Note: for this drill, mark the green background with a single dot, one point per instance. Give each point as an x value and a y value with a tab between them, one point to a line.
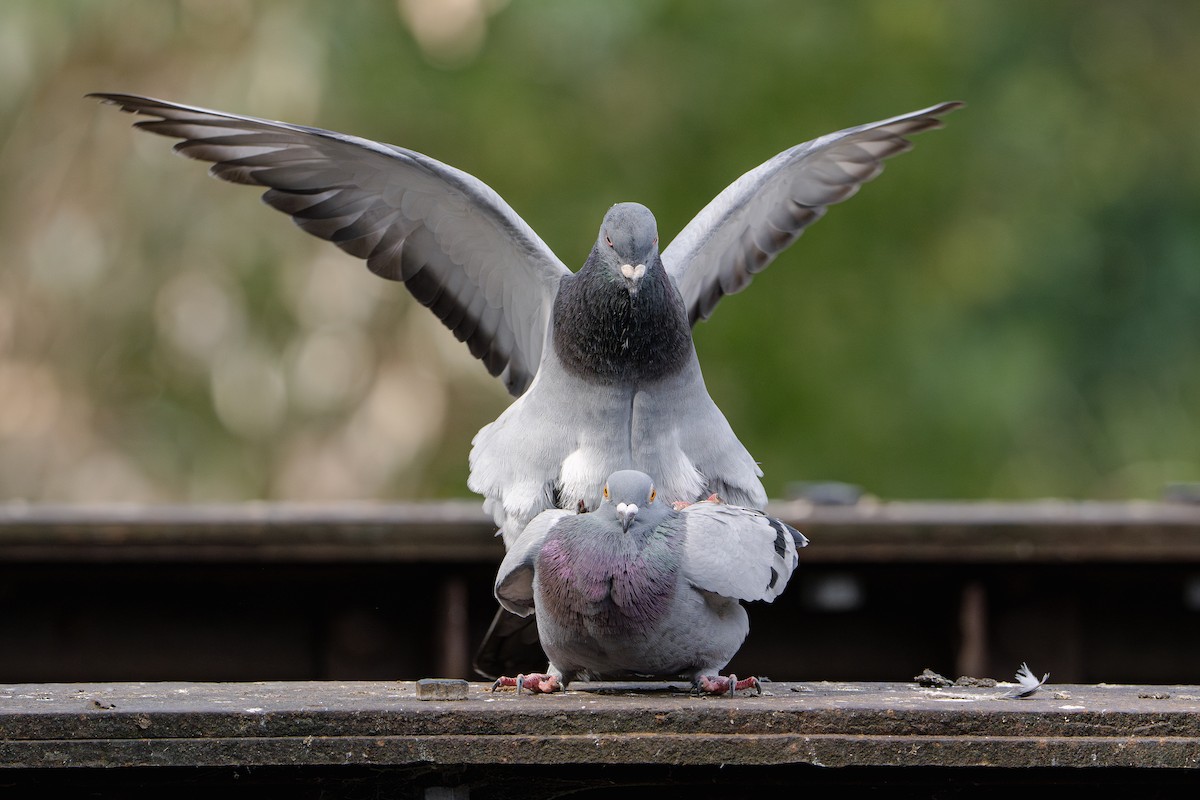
1011	310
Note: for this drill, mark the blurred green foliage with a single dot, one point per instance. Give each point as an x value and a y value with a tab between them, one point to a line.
1011	310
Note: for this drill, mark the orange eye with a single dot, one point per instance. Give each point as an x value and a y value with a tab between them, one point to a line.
605	492
653	494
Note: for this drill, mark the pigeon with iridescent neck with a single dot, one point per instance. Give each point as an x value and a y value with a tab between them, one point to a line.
637	589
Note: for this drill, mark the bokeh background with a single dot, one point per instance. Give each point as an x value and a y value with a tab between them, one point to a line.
1011	310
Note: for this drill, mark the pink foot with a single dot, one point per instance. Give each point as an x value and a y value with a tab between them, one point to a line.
680	505
539	683
721	684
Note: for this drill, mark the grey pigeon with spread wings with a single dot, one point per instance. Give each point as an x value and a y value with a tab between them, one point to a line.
637	589
601	360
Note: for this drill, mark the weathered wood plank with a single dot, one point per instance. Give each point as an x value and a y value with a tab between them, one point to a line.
384	724
869	532
451	531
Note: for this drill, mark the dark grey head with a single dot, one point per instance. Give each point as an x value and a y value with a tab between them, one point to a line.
629	495
628	242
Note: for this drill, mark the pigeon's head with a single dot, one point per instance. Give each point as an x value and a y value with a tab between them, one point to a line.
628	493
628	243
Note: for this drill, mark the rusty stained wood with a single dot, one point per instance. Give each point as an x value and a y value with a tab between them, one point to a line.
458	532
384	724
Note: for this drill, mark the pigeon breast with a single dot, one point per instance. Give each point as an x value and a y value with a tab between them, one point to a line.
605	335
602	581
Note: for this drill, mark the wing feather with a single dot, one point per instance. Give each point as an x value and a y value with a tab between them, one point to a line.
738	552
761	213
450	238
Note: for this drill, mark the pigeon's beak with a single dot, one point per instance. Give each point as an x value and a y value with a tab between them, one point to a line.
633	275
626	512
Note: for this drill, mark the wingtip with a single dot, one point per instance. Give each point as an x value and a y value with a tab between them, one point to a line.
942	109
931	118
132	103
112	98
121	101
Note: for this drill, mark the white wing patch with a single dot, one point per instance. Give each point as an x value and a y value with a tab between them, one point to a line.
737	552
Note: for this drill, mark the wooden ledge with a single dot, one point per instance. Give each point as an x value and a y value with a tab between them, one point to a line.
384	724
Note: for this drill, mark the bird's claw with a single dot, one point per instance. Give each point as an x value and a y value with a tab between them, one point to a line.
680	505
536	683
726	684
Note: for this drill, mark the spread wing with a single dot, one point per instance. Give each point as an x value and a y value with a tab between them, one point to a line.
757	216
737	552
457	246
514	579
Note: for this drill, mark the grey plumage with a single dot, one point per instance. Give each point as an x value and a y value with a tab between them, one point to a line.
638	589
601	361
618	387
760	214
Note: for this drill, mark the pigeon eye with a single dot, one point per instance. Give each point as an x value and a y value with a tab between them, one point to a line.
605	492
608	241
653	494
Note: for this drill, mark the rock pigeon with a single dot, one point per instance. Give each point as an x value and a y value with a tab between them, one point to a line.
601	361
638	589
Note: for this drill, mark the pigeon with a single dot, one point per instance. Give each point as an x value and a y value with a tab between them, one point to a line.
601	361
638	589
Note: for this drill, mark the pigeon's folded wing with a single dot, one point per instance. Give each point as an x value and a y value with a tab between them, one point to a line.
514	579
737	552
458	247
757	216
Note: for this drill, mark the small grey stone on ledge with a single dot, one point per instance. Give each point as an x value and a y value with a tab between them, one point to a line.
442	689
